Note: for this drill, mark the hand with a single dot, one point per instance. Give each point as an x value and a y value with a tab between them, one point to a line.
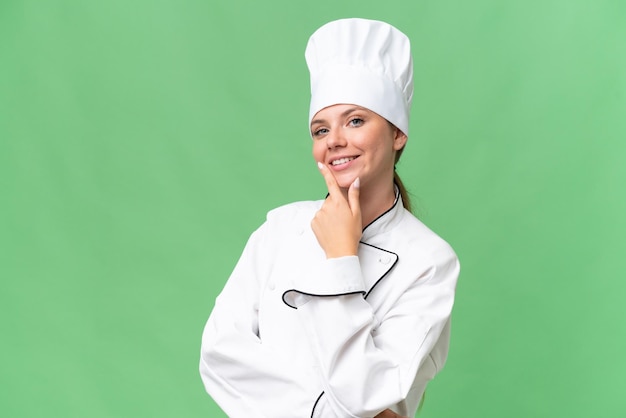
388	413
337	225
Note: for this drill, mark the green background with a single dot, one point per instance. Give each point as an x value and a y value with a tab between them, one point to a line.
142	141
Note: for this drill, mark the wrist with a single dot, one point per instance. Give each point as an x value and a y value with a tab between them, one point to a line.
344	252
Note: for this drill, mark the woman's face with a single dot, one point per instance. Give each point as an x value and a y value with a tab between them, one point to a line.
356	142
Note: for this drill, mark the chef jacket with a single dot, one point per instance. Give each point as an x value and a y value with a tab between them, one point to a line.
294	334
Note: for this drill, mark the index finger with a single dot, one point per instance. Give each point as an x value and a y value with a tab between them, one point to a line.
331	181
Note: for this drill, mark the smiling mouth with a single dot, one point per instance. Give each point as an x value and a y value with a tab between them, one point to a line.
342	161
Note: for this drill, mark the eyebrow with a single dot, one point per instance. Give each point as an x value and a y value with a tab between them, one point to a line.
343	114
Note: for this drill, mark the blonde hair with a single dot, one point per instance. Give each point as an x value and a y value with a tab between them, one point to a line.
406	200
404	194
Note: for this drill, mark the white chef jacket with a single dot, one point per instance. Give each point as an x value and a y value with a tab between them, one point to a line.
294	334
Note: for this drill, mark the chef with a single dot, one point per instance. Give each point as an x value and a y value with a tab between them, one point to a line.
339	307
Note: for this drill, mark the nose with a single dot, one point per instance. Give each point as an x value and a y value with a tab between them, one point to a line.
335	139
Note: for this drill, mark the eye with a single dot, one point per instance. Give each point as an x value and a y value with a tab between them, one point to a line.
355	122
319	132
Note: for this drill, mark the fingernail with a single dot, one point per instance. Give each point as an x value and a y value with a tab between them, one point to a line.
320	165
357	183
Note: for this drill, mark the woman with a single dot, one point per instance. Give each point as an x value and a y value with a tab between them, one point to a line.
340	307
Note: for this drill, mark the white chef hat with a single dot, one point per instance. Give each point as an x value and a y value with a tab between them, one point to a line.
363	62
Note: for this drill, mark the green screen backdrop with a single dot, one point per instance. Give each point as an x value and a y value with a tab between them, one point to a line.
141	142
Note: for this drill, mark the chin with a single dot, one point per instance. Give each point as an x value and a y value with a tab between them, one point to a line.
346	182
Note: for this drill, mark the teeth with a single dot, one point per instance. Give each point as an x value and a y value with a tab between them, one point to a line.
342	161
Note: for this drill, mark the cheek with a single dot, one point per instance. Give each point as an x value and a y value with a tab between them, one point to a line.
373	145
317	151
381	151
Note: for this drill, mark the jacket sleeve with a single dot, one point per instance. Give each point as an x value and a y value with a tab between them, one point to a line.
368	366
236	368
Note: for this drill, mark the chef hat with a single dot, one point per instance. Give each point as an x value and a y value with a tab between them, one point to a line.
363	62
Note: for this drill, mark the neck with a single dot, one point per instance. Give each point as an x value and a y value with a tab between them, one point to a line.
375	202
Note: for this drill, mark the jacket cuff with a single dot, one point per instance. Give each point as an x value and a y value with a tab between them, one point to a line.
338	276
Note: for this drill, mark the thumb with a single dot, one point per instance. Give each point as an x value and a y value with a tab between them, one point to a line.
353	197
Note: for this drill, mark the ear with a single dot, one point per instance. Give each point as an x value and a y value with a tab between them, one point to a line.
399	140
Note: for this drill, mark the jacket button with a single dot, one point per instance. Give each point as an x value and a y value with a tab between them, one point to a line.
385	259
271	285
